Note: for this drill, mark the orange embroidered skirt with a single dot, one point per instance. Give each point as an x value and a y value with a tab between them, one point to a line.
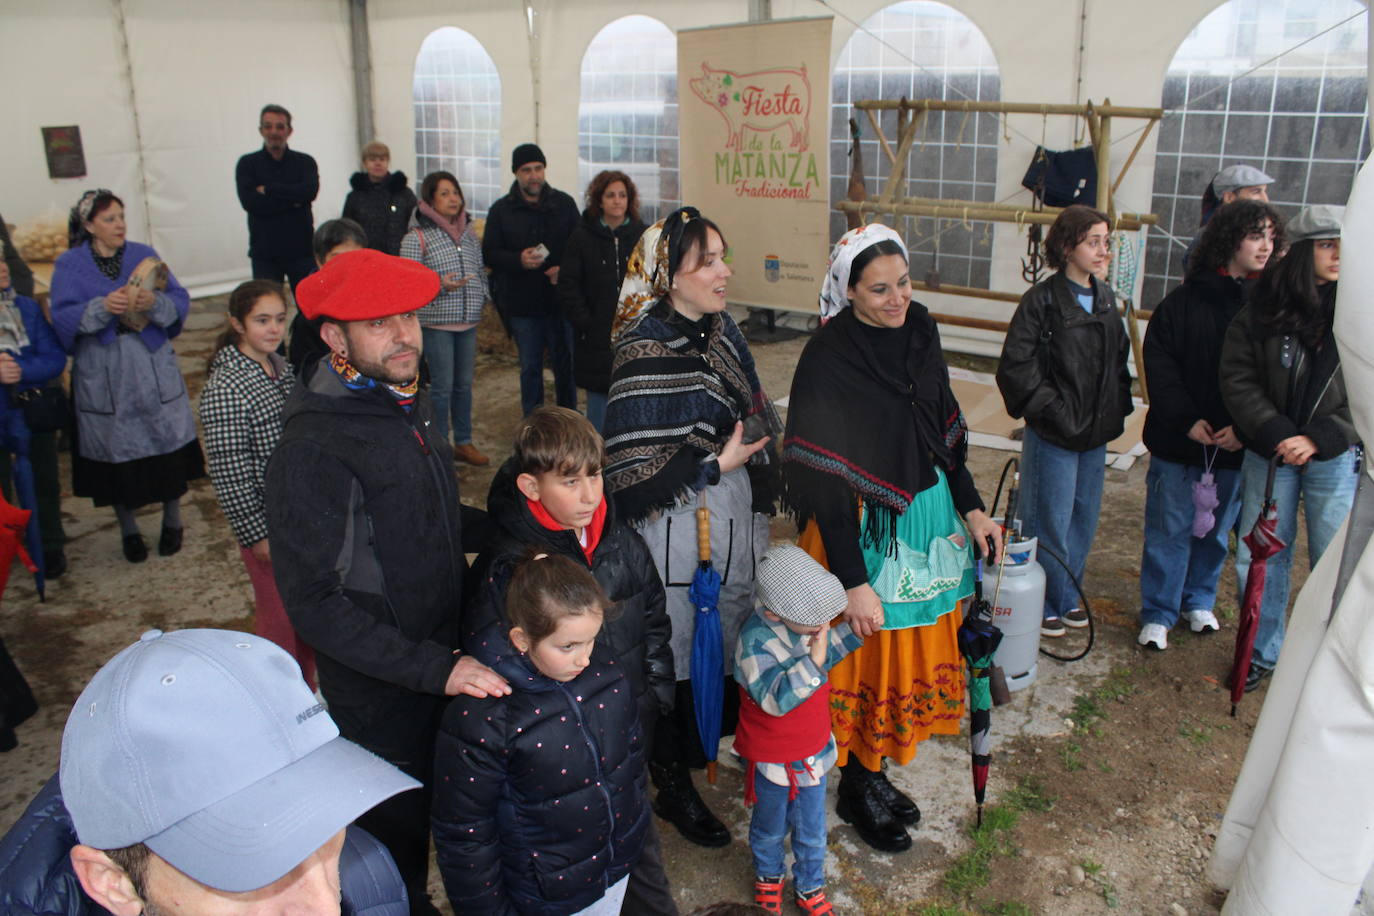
897	689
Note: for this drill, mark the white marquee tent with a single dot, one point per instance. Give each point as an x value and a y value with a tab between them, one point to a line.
166	93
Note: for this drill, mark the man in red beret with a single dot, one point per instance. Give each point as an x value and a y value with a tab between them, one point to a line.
363	518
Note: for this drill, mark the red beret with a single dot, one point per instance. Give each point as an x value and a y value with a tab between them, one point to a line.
365	284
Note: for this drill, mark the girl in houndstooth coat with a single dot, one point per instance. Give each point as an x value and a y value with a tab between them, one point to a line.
240	409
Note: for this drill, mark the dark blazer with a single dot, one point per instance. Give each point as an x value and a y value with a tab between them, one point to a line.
280	223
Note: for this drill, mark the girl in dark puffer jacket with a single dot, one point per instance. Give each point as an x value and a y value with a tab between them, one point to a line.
539	804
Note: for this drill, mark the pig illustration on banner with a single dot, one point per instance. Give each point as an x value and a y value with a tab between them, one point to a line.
762	101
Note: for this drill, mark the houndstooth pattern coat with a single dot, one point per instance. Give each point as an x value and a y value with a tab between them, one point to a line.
240	409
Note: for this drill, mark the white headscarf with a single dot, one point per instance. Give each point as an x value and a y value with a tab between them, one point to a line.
835	290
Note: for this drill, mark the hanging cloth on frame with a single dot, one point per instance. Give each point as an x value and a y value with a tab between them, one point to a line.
1060	178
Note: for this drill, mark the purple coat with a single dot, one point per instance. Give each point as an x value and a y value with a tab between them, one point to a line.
131	399
76	281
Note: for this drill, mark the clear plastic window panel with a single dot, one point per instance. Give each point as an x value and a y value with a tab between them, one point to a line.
457	101
923	50
1277	84
627	117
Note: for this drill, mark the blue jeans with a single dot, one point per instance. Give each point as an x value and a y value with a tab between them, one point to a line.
1061	493
1327	489
532	336
1179	572
596	408
452	356
773	816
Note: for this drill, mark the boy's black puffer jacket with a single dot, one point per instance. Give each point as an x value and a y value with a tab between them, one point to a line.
1063	369
637	629
539	797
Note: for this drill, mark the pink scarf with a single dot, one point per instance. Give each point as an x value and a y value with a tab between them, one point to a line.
454	228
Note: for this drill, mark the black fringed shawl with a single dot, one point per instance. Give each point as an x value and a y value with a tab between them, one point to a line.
850	420
670	406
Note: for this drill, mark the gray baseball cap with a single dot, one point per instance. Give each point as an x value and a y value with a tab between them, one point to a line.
1235	177
795	587
208	747
1319	221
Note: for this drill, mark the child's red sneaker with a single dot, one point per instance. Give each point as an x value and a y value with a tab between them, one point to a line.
815	905
768	894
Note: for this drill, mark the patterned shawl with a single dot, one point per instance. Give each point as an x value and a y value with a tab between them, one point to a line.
669	407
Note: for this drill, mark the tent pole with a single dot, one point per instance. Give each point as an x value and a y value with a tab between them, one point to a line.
128	60
362	70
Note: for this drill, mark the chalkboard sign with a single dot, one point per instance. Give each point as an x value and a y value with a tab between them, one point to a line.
66	158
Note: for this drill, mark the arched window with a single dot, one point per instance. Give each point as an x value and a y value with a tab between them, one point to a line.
1302	119
627	118
457	99
921	49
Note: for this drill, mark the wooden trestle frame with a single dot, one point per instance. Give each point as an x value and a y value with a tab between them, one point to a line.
911	114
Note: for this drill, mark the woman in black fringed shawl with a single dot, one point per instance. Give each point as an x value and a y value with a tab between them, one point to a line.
874	470
682	385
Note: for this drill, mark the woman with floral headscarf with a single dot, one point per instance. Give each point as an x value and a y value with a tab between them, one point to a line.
136	437
875	473
683	392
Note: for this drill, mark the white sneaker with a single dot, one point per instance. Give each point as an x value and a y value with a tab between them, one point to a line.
1202	621
1154	635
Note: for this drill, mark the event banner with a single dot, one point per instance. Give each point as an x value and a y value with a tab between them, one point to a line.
754	121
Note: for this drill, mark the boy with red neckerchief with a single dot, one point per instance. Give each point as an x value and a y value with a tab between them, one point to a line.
549	494
785	650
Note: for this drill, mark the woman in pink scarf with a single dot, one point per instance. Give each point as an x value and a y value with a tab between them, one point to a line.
441	238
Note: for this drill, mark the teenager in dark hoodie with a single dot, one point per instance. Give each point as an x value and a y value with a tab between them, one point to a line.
549	495
1188	430
380	202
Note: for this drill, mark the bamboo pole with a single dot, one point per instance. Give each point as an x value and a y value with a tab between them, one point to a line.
984	213
898	171
1121	175
1015	210
1108	110
878	132
1103	141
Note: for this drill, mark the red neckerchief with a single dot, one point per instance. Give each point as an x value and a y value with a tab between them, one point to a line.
542	516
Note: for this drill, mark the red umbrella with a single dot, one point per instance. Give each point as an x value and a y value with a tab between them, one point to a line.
1263	541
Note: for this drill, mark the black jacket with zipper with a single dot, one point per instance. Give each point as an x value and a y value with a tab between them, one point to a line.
1276	388
589	288
514	224
637	629
363	519
1064	369
1182	355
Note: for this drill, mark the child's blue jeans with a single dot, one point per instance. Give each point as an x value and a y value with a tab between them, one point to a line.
773	816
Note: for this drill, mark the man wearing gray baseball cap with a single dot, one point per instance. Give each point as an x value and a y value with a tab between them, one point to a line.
202	775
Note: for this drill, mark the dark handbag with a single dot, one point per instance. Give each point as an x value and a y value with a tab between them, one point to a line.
1063	177
45	409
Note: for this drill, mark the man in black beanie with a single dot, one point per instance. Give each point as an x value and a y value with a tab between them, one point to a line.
523	245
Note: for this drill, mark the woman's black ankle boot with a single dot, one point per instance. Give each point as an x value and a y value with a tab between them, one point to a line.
679	804
861	804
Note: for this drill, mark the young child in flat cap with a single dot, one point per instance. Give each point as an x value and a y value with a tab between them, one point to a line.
785	650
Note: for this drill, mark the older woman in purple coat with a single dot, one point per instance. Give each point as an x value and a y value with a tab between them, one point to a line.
136	436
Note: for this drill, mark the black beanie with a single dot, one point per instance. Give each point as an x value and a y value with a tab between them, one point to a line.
526	152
